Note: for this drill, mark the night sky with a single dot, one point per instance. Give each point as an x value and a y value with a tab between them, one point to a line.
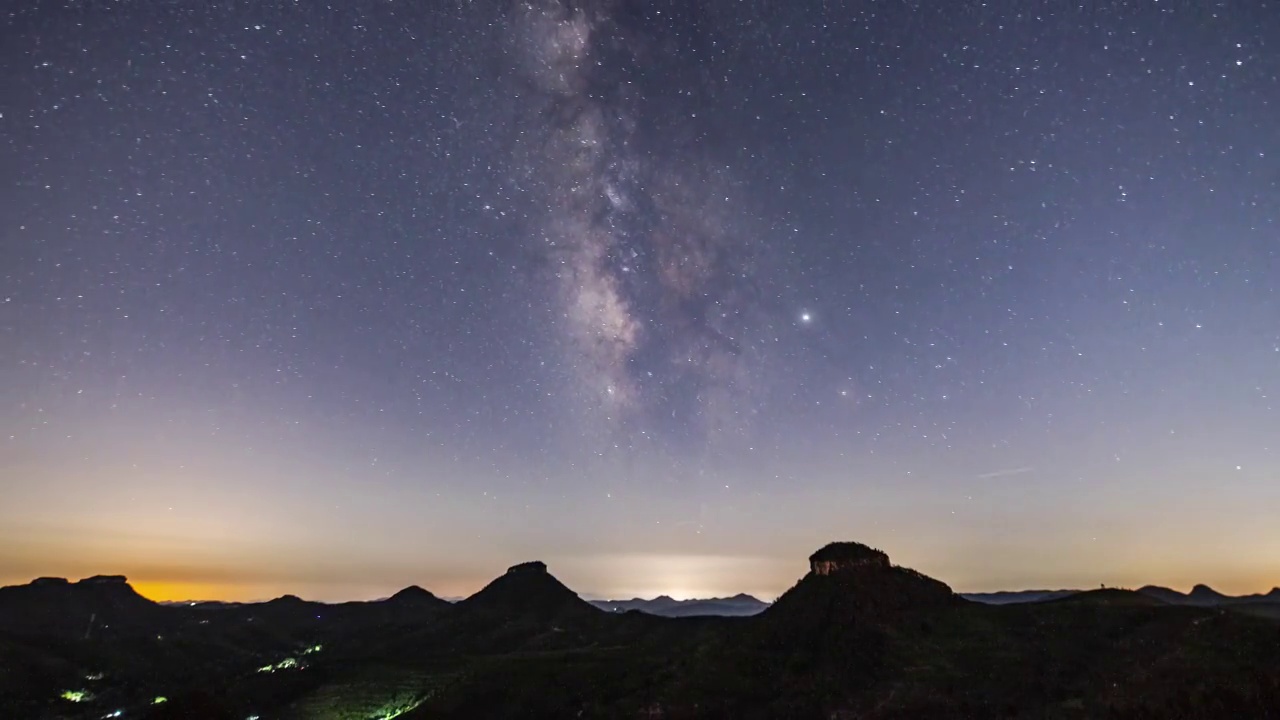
331	301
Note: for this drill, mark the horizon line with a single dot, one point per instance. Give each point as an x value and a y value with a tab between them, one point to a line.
592	597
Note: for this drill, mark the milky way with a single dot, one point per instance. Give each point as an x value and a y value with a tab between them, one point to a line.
649	256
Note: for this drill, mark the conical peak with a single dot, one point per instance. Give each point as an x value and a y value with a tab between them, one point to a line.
413	592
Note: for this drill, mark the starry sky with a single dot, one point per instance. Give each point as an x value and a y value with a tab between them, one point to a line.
333	300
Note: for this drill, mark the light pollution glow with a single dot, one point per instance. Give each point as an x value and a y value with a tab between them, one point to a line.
208	547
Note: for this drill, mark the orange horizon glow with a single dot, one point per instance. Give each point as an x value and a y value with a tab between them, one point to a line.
162	591
180	590
216	549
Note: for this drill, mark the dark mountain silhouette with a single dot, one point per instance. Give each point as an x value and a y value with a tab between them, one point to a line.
839	621
1205	596
849	579
1168	595
1009	597
850	595
855	637
664	601
1107	596
528	590
414	595
737	606
286	608
88	608
1200	595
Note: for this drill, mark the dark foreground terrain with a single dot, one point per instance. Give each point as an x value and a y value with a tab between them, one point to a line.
855	638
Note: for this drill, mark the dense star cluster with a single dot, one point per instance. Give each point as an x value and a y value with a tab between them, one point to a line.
671	291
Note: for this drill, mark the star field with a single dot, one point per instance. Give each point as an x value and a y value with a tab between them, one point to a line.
334	300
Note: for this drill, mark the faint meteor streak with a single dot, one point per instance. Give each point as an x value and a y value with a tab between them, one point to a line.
1010	472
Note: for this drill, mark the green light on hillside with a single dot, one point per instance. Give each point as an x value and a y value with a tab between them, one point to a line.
313	649
284	664
391	713
160	699
76	696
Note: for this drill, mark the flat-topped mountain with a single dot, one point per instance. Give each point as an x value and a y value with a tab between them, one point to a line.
84	609
837	556
852	578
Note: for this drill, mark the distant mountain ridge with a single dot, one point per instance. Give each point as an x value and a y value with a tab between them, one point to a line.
1011	597
835	645
740	605
118	599
1205	596
1200	596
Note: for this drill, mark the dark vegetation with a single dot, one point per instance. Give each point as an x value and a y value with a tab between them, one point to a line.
855	638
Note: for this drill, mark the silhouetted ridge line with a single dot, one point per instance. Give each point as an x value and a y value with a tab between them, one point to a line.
527	589
851	582
415	594
84	609
739	605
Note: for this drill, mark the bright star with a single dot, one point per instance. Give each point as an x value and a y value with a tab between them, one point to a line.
805	317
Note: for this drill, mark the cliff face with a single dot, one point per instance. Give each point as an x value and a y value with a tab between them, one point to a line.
839	556
850	583
535	567
827	567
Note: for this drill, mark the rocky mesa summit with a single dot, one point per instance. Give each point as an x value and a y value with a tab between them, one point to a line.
849	580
